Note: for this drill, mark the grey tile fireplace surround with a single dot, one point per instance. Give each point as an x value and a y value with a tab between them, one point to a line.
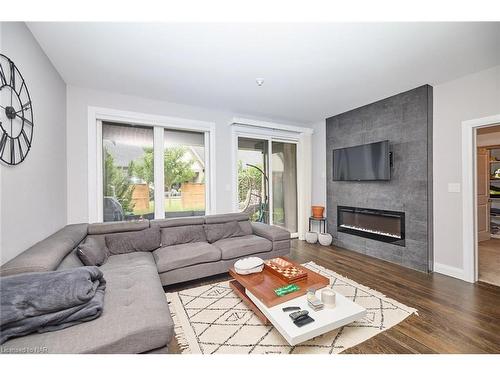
406	121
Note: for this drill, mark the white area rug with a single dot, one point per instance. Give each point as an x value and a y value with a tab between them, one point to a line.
211	319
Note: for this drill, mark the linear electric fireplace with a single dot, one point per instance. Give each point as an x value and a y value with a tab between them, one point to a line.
380	225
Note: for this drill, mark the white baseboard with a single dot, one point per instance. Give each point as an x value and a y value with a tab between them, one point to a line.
444	269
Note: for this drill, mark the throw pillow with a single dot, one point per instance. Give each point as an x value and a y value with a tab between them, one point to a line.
185	234
246	227
129	242
215	232
91	253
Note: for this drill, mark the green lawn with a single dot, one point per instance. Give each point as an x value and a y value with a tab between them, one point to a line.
171	205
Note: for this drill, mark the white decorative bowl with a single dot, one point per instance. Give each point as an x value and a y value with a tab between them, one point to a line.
249	265
325	239
311	237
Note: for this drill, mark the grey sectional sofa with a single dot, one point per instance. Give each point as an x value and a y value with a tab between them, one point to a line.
136	317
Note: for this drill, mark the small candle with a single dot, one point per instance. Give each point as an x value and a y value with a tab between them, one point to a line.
328	297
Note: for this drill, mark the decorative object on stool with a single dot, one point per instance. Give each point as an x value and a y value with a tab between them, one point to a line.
325	239
249	265
311	237
317	211
328	298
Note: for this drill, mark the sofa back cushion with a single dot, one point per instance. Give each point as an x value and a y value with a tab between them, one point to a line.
246	227
216	232
185	234
128	242
225	218
47	254
178	221
92	253
117	227
241	217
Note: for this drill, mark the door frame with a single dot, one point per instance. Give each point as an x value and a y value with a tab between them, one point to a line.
96	115
469	196
278	133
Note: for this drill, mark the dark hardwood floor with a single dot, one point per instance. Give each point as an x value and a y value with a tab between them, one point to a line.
453	316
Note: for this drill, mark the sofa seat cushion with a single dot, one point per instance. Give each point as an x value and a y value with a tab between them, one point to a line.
135	319
238	247
177	256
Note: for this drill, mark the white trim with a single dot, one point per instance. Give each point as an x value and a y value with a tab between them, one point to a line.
270	180
444	269
98	114
94	136
271	125
159	174
138	118
210	176
304	189
469	198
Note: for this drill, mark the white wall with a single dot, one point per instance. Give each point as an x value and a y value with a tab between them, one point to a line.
470	97
33	193
319	164
78	101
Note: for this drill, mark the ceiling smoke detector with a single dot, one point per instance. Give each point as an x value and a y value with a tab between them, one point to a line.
260	81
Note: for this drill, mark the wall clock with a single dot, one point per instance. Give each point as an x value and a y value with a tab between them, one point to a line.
16	114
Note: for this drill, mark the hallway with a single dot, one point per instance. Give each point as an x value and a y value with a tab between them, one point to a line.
489	261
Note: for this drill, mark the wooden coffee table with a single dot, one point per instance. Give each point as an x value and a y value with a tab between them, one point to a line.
263	284
257	291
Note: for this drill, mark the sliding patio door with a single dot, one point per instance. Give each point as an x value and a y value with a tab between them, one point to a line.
267	180
253	178
284	185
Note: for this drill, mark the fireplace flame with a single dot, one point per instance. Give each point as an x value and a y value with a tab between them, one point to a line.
370	231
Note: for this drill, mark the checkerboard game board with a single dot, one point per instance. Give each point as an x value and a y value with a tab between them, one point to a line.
285	270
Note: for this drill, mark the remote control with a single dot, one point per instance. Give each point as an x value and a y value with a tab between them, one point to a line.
296	315
291	308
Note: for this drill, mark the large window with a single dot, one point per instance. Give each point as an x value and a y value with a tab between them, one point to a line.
131	181
184	175
128	184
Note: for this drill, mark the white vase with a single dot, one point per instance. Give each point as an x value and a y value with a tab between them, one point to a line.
325	239
311	237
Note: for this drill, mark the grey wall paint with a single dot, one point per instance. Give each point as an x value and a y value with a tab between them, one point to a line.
406	121
33	193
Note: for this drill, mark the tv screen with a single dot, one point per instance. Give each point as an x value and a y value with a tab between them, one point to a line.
362	163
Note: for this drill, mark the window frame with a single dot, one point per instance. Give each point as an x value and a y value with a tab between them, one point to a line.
159	123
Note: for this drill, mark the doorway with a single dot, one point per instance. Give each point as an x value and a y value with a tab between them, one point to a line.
267	180
488	204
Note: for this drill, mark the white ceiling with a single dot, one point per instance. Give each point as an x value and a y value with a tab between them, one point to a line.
311	71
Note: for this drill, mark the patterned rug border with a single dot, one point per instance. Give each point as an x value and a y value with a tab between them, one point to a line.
374	292
183	336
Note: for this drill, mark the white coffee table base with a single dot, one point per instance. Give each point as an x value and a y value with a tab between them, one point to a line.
325	320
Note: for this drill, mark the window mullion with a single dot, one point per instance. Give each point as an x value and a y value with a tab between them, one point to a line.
159	180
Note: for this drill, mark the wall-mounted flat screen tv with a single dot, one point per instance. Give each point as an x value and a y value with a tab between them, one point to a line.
369	162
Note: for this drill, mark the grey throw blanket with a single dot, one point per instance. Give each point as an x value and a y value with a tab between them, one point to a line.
49	301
